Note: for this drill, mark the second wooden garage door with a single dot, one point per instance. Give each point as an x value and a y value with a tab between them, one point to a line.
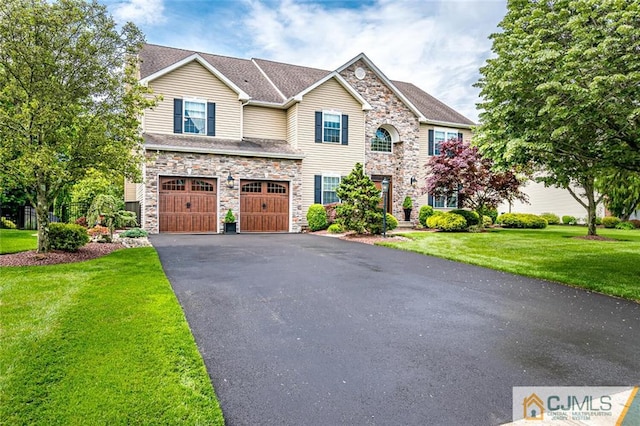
264	206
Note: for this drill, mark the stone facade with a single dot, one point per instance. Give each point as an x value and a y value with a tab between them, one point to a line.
388	110
166	163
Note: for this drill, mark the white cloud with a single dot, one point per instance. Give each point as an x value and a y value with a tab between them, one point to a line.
141	12
439	46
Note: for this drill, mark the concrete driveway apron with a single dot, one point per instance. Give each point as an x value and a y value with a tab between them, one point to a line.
306	330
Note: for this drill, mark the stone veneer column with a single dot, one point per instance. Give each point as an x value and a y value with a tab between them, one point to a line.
404	162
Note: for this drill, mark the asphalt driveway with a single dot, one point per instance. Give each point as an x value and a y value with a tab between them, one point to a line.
309	330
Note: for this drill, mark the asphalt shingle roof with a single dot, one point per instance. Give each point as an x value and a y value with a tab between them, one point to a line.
289	79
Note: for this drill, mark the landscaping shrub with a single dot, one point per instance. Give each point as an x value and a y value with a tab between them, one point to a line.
569	220
552	218
487	221
6	223
82	221
317	217
407	203
431	220
521	220
331	212
392	223
335	228
67	236
134	233
99	233
492	213
627	226
470	216
598	220
610	222
425	213
449	222
636	223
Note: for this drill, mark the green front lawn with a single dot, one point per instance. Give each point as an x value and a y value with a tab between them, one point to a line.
15	240
611	267
99	342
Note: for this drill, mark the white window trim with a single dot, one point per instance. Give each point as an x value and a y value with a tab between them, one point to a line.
331	175
184	115
339	114
445	130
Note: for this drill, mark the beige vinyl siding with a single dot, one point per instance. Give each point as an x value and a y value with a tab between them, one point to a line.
194	81
129	191
264	123
292	125
325	158
424	153
549	200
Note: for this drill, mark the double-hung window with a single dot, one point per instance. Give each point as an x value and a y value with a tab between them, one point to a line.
195	117
442	202
331	127
441	136
329	186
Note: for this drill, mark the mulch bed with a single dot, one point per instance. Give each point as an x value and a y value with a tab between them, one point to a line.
31	258
362	238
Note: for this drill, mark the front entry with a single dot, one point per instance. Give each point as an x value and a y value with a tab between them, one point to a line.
377	180
187	205
264	206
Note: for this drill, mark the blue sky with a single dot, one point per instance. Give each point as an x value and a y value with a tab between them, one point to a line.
437	45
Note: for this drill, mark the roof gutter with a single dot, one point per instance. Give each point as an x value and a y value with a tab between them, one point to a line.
200	150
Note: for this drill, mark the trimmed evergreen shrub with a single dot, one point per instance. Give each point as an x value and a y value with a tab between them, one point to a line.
552	218
6	223
598	220
359	209
317	217
392	222
425	213
470	216
67	236
610	222
487	221
449	222
335	228
569	220
627	226
521	220
134	233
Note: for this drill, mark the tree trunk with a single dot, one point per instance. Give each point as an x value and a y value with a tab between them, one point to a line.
42	214
589	189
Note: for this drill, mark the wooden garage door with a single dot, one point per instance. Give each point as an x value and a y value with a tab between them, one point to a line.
188	205
264	206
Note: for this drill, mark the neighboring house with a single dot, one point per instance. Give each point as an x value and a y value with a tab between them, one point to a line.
550	200
268	139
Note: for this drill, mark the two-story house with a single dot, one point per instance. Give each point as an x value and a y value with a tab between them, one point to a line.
267	139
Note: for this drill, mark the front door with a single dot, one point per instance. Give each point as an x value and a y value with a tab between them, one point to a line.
377	180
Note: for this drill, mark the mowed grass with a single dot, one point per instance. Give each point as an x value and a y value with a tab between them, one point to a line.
15	240
99	342
610	267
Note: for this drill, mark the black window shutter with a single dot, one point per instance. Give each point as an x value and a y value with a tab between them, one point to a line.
460	136
317	189
430	199
211	119
345	129
318	126
431	138
177	115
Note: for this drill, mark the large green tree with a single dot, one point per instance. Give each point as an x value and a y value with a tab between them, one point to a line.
561	94
621	189
69	98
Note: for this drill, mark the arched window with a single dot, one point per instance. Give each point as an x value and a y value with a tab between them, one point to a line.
382	141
